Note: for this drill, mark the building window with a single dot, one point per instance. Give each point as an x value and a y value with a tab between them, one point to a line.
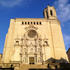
51	12
28	23
22	23
31	22
37	23
34	23
40	23
47	14
25	23
32	33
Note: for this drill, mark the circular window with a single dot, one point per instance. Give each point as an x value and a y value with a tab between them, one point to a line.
32	33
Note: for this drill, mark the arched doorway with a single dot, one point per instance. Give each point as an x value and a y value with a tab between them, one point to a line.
31	60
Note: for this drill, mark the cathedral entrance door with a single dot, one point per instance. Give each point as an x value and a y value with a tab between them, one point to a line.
31	60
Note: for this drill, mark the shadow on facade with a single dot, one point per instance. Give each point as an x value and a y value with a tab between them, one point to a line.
53	64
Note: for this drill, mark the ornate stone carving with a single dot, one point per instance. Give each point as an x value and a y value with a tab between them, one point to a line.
31	27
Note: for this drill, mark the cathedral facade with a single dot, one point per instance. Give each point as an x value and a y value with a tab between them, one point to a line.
34	40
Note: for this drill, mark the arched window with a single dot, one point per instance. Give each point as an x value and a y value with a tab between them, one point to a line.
47	14
37	23
22	23
51	12
34	23
31	22
40	23
28	23
25	23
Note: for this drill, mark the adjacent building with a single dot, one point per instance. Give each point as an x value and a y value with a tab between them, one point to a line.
68	53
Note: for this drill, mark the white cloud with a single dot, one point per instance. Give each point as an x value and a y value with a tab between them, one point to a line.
63	13
10	3
63	10
67	41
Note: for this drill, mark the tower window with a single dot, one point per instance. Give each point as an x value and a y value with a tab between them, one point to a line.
51	12
47	14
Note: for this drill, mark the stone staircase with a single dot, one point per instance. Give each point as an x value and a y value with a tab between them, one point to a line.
27	67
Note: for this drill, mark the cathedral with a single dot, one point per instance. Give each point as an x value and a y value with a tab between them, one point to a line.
34	40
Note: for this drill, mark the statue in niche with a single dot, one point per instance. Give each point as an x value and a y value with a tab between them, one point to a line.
45	42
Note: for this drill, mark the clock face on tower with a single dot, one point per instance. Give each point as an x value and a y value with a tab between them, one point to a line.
32	33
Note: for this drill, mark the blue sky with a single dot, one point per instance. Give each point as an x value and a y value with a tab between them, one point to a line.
33	9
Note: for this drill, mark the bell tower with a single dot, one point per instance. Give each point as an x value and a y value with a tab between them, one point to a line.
56	33
50	13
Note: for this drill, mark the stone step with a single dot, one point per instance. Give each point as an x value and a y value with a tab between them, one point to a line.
27	67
